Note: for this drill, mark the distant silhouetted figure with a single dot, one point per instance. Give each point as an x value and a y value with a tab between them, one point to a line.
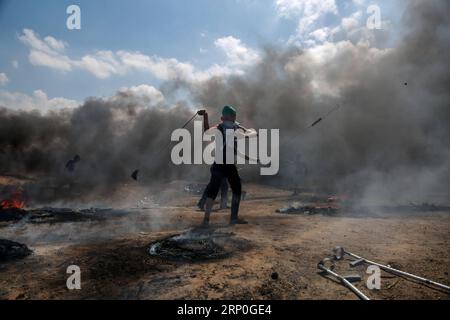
71	164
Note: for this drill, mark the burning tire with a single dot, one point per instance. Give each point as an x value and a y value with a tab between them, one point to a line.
187	248
197	246
10	250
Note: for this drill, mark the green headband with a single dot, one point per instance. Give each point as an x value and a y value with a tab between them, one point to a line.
228	111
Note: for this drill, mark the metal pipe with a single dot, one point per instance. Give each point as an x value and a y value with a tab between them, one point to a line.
344	281
399	272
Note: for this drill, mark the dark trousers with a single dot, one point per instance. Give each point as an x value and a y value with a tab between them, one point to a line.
219	172
223	194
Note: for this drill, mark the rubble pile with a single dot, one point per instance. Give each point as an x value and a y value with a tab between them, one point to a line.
51	215
329	207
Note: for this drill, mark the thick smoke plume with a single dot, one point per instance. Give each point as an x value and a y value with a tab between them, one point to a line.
113	137
394	126
389	139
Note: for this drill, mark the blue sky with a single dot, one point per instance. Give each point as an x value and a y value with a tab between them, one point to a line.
128	43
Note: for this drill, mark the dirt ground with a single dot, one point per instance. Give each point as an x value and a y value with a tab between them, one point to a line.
115	263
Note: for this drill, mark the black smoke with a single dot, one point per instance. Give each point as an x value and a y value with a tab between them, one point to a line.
390	137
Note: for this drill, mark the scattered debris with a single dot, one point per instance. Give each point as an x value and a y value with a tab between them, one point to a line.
146	202
52	215
328	265
135	174
333	205
408	208
195	188
393	284
10	250
316	122
356	263
353	278
62	215
12	214
343	199
429	207
309	209
340	252
323	265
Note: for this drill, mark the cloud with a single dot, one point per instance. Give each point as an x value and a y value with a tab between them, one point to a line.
359	2
145	93
3	79
309	13
15	64
102	64
162	68
320	36
37	101
354	29
48	45
352	21
306	8
49	52
327	78
140	95
57	62
238	54
314	26
54	44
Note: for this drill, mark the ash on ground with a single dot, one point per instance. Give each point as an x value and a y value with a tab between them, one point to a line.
198	245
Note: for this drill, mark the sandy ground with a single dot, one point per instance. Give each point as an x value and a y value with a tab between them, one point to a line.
115	264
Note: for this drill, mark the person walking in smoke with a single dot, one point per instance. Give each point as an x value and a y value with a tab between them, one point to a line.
219	172
71	164
69	177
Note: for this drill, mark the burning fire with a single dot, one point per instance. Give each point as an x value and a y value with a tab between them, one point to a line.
14	202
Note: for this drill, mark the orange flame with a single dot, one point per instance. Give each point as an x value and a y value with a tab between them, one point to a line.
14	202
